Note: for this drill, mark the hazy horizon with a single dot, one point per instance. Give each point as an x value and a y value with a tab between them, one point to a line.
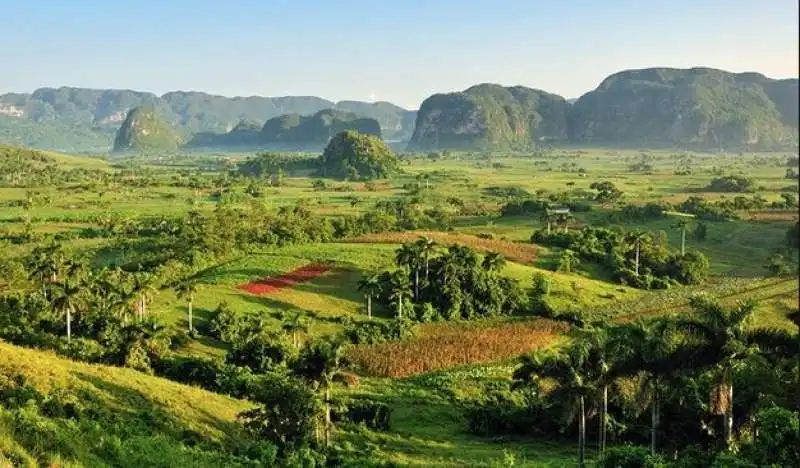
355	50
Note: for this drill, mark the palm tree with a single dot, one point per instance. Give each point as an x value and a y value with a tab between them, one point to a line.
493	261
598	346
295	324
649	349
323	363
370	287
409	255
401	289
426	246
572	372
723	341
68	294
187	290
144	290
563	219
683	225
548	218
636	238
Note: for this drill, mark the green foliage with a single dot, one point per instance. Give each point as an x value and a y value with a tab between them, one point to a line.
777	442
731	183
356	156
630	456
287	413
607	192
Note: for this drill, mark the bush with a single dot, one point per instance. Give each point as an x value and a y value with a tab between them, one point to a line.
375	415
287	414
630	456
262	352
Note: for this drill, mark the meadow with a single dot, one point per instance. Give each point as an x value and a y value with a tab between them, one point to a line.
428	373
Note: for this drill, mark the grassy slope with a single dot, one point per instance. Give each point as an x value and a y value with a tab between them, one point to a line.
143	413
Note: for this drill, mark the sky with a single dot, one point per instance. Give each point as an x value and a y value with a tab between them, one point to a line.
390	50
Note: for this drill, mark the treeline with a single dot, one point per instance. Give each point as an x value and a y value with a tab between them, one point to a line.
636	258
659	393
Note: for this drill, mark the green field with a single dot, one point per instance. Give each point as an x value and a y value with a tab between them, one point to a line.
427	428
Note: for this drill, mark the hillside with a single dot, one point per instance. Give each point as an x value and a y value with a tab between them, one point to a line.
490	117
83	119
316	130
699	107
107	416
145	130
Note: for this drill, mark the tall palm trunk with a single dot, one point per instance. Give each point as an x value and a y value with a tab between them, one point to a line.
582	435
654	409
191	327
683	242
427	267
727	418
637	258
416	284
369	306
399	307
327	416
69	323
548	227
604	420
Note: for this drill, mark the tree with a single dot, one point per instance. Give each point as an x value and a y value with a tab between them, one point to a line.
427	247
401	289
68	294
187	290
607	192
322	363
568	261
636	238
562	219
548	217
683	225
598	348
493	261
287	413
356	155
571	371
293	325
650	349
370	287
409	255
143	290
723	342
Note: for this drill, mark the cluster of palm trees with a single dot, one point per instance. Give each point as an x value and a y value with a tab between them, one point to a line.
71	287
559	219
417	270
655	354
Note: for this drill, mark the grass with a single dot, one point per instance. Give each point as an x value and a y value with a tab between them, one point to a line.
427	429
132	419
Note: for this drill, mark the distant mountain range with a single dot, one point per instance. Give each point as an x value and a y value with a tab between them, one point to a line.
86	119
655	107
665	107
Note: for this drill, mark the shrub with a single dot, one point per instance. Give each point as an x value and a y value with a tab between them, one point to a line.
373	414
630	456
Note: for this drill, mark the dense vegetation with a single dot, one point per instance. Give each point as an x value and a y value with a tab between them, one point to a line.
357	156
378	319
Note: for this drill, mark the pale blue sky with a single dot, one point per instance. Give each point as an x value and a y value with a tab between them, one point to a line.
400	51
